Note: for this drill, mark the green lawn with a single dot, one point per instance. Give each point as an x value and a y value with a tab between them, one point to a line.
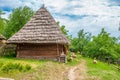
40	69
44	70
8	66
102	70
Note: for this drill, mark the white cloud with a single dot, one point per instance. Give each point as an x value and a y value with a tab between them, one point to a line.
92	24
100	13
6	15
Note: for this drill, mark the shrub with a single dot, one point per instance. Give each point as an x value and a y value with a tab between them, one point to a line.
9	67
27	67
1	64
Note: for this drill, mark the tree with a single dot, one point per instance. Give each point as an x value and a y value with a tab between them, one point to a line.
83	39
64	31
103	46
80	43
17	20
1	13
2	22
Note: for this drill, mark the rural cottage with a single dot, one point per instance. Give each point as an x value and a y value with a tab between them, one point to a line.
40	38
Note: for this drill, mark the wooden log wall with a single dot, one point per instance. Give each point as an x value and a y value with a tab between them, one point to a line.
41	51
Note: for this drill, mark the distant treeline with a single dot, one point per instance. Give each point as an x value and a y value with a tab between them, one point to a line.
102	46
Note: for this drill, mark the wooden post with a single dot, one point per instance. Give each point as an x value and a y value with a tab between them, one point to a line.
65	48
17	50
57	49
58	53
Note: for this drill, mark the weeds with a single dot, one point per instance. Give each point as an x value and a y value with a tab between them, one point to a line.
10	67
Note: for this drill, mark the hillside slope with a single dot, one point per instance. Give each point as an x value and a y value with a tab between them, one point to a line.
80	69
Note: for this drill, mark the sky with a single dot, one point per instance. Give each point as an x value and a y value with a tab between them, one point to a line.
90	15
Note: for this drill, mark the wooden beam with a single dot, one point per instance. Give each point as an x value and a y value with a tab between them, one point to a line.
66	48
58	59
58	50
17	50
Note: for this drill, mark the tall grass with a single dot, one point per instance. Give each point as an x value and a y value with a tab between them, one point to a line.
102	70
19	69
11	67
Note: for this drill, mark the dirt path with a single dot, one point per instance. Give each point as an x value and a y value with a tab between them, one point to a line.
6	78
71	73
78	72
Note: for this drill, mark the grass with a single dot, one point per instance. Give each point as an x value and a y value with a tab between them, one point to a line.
75	61
99	71
40	69
50	70
102	70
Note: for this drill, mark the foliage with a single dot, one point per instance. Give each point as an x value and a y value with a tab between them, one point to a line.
27	67
9	67
38	70
1	13
79	44
2	22
64	31
1	64
1	25
17	20
44	70
103	46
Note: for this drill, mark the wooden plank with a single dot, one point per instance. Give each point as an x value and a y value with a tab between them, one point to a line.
38	48
49	50
55	58
39	53
57	49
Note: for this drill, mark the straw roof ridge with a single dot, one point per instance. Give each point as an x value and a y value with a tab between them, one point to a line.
42	28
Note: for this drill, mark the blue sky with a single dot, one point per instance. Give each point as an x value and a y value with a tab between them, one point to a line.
90	15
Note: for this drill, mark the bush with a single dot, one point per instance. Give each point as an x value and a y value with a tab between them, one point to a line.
27	67
1	64
9	67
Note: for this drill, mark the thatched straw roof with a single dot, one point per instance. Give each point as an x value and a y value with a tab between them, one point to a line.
42	28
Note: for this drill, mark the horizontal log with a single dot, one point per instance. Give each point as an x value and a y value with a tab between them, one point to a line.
55	58
34	49
38	54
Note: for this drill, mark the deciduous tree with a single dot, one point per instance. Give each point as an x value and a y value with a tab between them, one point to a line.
17	20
